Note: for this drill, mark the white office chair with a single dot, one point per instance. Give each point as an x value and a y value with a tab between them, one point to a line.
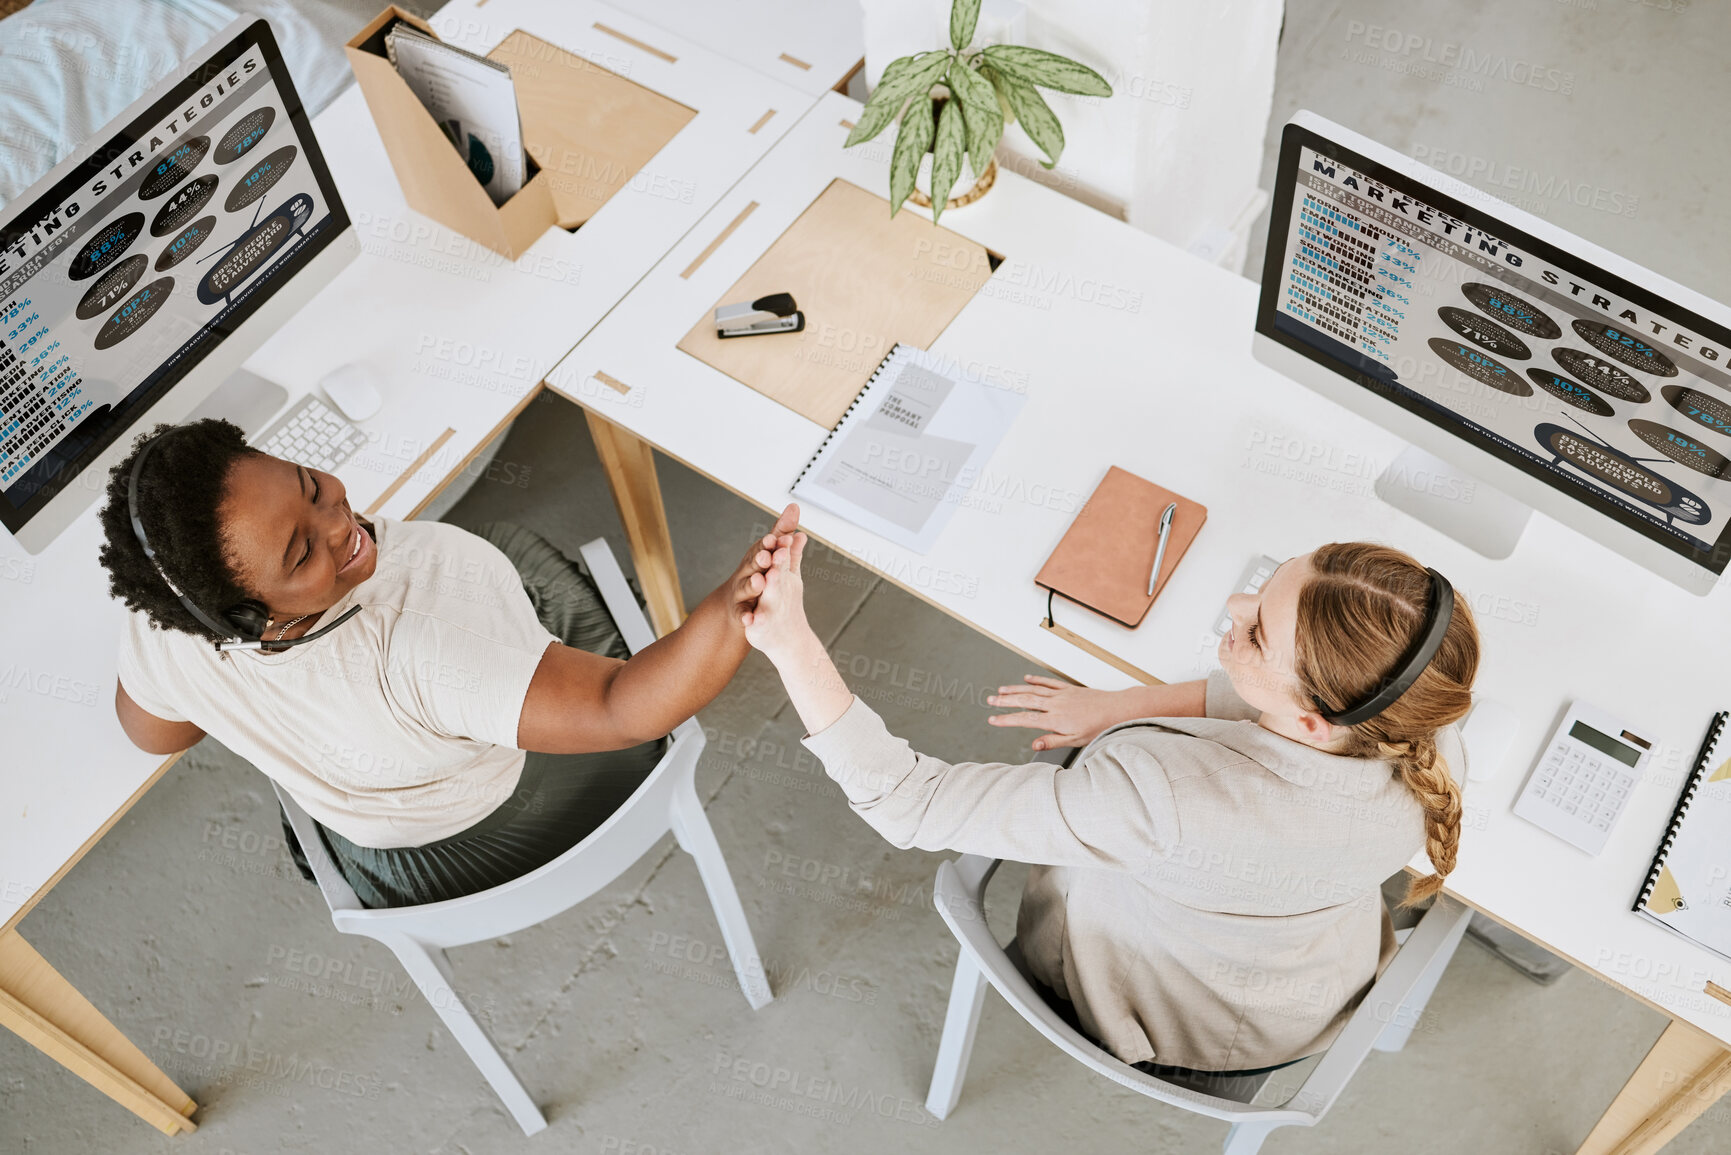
1383	1021
665	801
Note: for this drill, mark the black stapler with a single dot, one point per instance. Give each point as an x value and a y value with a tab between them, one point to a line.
776	313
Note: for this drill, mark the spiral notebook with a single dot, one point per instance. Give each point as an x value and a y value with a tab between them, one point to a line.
910	449
1688	887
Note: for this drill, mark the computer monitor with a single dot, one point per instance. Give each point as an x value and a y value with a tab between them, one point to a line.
1567	378
138	274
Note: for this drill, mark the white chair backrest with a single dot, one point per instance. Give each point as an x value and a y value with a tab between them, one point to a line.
960	897
961	903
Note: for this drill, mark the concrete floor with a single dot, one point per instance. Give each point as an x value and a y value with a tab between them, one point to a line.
188	927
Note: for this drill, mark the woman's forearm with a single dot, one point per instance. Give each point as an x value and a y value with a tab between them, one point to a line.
1165	700
668	682
813	684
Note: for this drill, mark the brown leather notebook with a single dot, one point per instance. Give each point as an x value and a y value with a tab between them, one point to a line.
1104	559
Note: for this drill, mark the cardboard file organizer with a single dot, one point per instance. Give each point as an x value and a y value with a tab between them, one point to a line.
864	280
587	131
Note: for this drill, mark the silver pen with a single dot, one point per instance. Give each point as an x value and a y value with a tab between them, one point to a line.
1160	553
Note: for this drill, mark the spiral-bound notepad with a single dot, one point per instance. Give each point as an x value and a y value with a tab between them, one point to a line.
911	447
1688	887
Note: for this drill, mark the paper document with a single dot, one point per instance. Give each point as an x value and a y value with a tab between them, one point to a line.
472	99
909	449
1688	887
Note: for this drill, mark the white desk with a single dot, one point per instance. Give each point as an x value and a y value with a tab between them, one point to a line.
460	338
812	45
1136	354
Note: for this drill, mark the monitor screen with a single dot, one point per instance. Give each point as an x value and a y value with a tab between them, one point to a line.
1602	389
119	273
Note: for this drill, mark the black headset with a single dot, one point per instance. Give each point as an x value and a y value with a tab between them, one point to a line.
1412	663
246	620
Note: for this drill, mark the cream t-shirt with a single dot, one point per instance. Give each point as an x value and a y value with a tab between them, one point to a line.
400	726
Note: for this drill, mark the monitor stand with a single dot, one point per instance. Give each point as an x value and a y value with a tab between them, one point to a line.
1456	503
246	399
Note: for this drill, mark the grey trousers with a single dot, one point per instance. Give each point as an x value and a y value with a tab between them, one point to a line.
559	799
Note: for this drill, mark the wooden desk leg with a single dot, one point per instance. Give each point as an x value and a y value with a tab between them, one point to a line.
45	1010
1684	1074
630	465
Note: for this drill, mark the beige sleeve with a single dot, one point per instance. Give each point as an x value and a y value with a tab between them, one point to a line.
1115	810
146	668
1221	700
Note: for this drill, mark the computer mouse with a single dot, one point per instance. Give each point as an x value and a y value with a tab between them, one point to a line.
1488	734
354	389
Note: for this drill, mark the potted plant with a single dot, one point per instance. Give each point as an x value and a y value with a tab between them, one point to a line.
953	105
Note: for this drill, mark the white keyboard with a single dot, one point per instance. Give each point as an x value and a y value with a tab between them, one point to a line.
1249	582
312	434
1585	777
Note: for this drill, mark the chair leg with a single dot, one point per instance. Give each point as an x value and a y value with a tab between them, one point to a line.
961	1023
431	972
691	828
1406	1016
1246	1138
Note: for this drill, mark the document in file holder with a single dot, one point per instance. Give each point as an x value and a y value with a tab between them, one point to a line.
472	99
908	449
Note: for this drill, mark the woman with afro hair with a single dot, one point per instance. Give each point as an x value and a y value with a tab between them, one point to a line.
478	716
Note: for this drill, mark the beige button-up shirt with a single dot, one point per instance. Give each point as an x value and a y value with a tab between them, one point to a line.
1206	892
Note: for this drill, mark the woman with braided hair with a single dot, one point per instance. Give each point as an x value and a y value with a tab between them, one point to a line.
1363	603
1205	891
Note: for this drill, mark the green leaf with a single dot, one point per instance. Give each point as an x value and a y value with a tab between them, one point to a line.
964	14
952	142
980	111
912	143
1047	69
1035	116
876	116
901	79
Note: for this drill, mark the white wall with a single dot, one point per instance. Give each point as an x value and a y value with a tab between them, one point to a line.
1177	149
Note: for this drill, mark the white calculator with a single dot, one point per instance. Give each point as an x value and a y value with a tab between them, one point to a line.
1585	777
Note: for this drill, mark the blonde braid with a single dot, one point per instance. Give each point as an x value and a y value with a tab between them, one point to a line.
1426	773
1356	615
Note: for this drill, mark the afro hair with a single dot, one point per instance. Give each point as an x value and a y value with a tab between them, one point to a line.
179	492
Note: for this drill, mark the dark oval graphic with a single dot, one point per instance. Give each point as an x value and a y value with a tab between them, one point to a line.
480	161
1682	448
105	247
1602	375
1577	395
1622	473
184	245
1487	334
113	285
139	308
248	255
1518	314
178	210
1479	367
1629	348
1699	407
260	178
247	131
173	168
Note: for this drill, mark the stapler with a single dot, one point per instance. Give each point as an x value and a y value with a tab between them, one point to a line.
776	313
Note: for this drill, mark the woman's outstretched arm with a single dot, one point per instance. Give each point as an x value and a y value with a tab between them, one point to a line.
1115	810
1075	715
579	702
